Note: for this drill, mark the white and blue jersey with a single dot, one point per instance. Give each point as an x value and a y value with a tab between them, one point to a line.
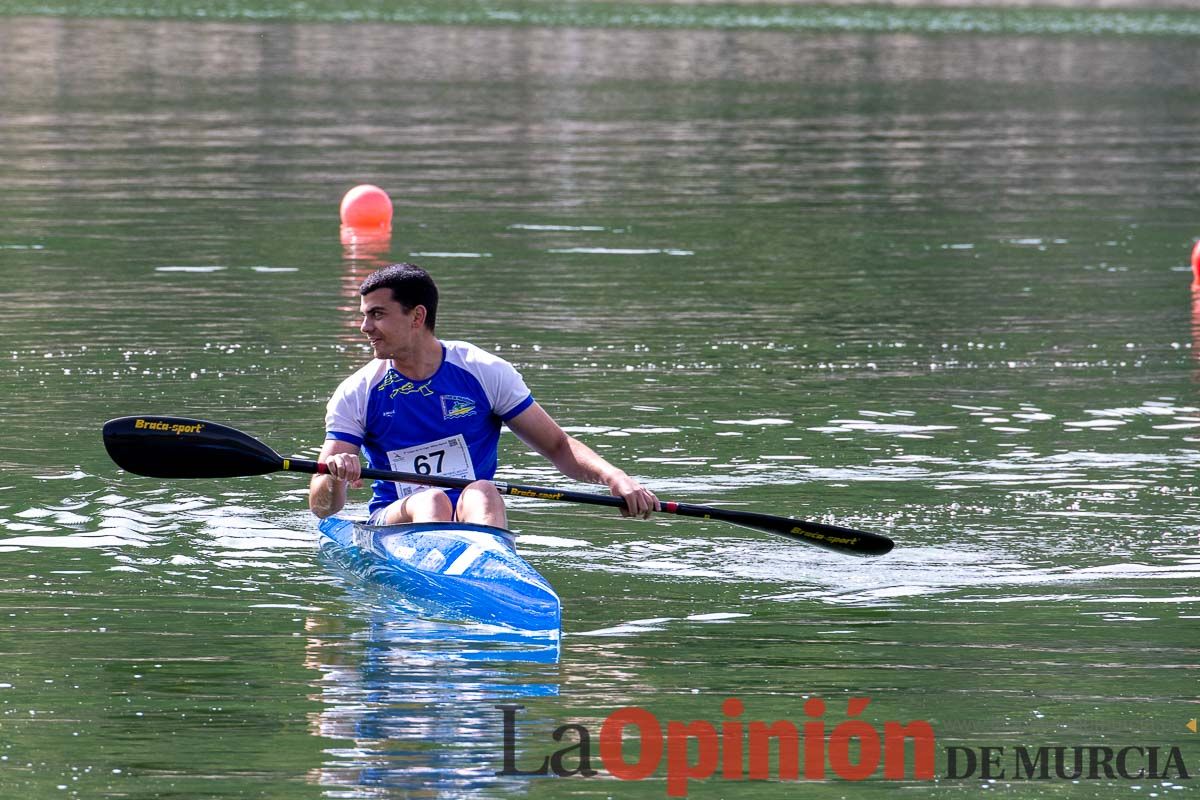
448	424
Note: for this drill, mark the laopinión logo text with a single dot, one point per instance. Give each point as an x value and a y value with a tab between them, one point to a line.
633	745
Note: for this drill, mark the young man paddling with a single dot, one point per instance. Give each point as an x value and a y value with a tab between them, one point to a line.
428	406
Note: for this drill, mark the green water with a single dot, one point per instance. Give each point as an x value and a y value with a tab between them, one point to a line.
932	286
881	18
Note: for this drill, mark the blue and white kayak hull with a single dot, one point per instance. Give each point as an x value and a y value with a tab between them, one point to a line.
466	571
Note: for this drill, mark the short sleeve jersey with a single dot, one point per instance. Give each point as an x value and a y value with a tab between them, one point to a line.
448	424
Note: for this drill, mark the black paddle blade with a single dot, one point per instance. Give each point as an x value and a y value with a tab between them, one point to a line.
178	447
830	537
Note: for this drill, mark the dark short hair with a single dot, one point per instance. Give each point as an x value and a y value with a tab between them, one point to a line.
411	287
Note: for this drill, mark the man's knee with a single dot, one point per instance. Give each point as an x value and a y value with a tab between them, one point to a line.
482	503
428	505
482	490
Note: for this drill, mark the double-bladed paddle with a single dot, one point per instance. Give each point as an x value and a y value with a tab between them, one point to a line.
177	447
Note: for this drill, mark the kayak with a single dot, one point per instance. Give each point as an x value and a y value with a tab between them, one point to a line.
455	569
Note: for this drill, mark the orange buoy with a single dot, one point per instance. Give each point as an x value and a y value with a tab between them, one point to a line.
1196	265
367	206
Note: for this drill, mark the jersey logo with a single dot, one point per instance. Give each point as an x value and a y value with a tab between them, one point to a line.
454	407
411	388
406	386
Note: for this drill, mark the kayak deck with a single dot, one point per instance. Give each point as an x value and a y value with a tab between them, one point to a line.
456	569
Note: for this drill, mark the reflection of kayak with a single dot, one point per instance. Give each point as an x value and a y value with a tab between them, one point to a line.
456	569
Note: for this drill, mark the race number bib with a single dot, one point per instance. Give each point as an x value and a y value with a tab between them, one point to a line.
449	458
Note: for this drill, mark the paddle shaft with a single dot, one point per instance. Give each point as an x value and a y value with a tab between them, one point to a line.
831	537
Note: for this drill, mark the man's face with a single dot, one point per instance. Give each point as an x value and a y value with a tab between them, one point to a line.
390	330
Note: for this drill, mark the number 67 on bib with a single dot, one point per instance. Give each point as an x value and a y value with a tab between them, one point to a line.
447	457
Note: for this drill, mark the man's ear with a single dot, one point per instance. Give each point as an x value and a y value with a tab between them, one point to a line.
419	314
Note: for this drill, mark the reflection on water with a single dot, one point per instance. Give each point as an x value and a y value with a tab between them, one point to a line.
540	136
1196	326
363	252
410	702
